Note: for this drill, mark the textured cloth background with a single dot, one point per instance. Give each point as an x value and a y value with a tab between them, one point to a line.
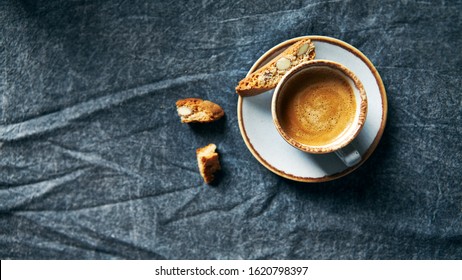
95	164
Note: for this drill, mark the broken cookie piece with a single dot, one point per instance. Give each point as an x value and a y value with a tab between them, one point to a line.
207	159
198	110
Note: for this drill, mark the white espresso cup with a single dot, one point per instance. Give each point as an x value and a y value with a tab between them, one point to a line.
319	107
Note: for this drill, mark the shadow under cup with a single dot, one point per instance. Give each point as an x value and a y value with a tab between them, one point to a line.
320	107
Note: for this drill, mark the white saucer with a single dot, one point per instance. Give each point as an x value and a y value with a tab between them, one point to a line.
269	148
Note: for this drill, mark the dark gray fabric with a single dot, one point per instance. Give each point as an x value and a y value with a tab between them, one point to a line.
95	164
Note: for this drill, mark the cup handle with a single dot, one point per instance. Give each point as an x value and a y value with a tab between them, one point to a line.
349	155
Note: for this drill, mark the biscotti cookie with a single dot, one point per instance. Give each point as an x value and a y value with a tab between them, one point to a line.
268	76
198	110
207	159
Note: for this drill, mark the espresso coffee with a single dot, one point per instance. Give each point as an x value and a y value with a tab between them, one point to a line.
317	107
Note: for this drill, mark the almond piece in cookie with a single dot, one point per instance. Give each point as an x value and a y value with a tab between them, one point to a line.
207	159
198	110
268	76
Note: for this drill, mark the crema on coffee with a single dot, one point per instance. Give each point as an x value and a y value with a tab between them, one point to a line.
317	107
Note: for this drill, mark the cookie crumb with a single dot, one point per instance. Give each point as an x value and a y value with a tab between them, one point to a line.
197	110
208	161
